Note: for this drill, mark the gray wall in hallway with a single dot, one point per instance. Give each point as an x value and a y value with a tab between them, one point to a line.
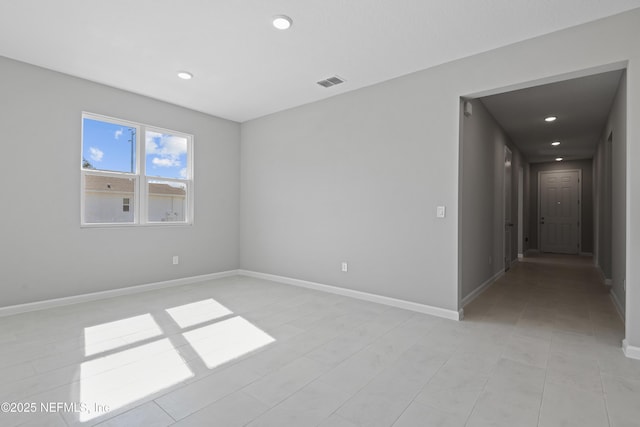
610	164
481	198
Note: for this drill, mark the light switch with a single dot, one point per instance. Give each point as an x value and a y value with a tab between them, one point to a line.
440	212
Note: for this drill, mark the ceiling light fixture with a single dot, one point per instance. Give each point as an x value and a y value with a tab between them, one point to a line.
185	75
550	119
559	159
555	143
282	22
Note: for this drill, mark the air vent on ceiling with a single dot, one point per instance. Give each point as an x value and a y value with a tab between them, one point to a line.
331	81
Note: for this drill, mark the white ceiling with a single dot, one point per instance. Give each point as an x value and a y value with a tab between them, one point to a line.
581	105
244	68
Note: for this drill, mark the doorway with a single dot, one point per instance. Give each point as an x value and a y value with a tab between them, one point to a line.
508	220
544	123
520	212
559	198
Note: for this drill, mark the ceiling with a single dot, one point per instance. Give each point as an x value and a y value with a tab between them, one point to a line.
581	106
244	68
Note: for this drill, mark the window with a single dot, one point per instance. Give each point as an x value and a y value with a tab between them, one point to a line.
134	174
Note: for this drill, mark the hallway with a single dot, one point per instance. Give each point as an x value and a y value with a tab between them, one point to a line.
559	317
548	293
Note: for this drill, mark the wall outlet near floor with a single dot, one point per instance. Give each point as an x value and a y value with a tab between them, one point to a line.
176	260
344	267
490	260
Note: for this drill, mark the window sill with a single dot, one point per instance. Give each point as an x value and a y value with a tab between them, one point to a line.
127	225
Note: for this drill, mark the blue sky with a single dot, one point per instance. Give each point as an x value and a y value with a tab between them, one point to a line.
107	147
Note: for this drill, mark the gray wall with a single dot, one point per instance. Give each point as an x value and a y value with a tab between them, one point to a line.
352	179
586	237
610	195
481	198
602	205
44	253
358	177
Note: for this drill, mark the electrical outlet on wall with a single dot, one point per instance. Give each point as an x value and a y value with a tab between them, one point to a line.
344	267
176	260
490	260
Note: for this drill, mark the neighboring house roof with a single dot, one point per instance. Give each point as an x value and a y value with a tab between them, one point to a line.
106	184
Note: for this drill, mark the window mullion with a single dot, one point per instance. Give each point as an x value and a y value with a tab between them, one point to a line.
142	177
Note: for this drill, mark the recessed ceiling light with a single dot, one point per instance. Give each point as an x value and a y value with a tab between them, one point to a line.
185	75
555	143
559	159
550	119
282	22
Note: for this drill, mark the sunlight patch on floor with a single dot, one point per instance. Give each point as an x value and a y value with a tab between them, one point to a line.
108	336
122	370
125	377
198	312
226	340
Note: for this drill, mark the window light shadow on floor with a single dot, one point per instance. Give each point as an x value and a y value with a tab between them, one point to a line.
198	312
127	376
130	359
108	336
226	340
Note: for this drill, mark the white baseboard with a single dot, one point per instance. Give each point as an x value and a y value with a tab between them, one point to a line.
605	280
407	305
619	307
75	299
630	351
480	289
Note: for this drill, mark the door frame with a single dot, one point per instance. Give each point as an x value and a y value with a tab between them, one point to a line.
539	215
521	249
507	256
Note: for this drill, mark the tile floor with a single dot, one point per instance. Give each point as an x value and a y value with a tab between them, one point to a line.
541	347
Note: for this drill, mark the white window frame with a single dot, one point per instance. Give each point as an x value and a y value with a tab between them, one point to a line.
139	200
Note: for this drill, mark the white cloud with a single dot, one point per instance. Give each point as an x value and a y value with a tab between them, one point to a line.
150	142
95	154
173	145
165	162
167	149
183	173
118	134
166	145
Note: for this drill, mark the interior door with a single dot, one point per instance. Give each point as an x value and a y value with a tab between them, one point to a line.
559	211
508	221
